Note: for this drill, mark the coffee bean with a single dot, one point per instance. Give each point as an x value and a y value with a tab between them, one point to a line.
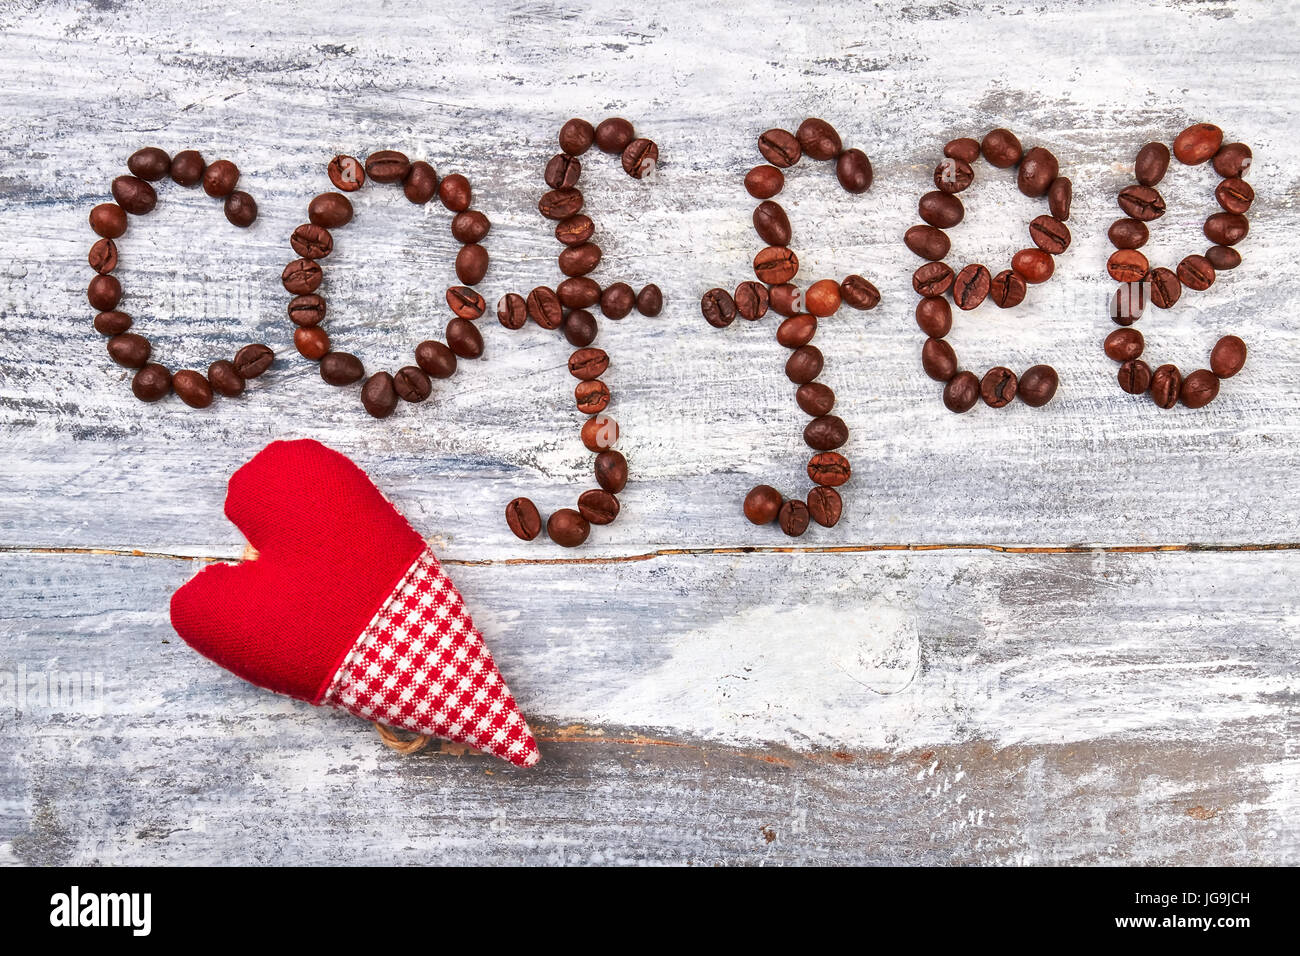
971	287
829	468
1223	258
611	471
998	387
1152	163
1142	203
346	173
129	350
640	158
1059	196
579	328
435	359
112	323
150	163
1050	234
804	364
751	300
562	171
579	260
927	242
224	379
464	338
108	220
455	193
1127	265
1128	302
470	226
591	397
1001	148
858	293
939	360
1128	233
797	331
1038	385
1226	228
103	256
1197	143
219	178
192	388
134	195
1234	195
613	135
412	384
780	148
932	279
1124	344
566	527
771	223
341	368
962	392
825	506
617	300
379	394
1038	170
953	176
1232	160
965	149
307	310
523	519
934	316
312	342
818	139
598	506
1007	290
301	276
1228	356
940	209
421	183
576	136
823	298
815	399
387	166
853	170
599	432
1166	381
1033	265
826	432
1196	273
718	308
578	292
762	504
151	383
588	364
560	203
104	293
252	360
312	241
793	517
471	263
764	182
544	308
330	210
1199	388
1164	287
187	168
574	230
650	300
240	209
1135	376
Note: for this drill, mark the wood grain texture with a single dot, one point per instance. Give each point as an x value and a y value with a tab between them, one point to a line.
698	692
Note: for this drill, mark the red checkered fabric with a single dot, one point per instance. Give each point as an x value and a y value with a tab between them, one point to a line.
422	666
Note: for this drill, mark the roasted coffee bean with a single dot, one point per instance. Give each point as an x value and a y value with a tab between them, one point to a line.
1234	195
598	506
613	135
224	379
187	168
387	166
941	209
815	399
780	148
858	293
934	316
1038	170
785	299
330	210
826	433
617	300
762	504
1152	163
129	350
560	203
412	384
764	182
588	364
1165	288
751	300
312	241
464	338
1128	233
953	176
252	360
829	468
341	368
1033	265
455	193
823	298
192	388
421	183
576	136
1007	290
640	158
1124	344
1038	385
512	311
1127	265
804	364
591	397
932	279
1059	197
1199	388
578	292
379	394
718	308
793	517
346	173
108	219
240	209
544	308
471	263
301	276
1166	381
134	195
825	506
971	287
1226	228
1228	356
998	387
818	139
1232	160
103	256
1134	376
150	163
567	528
151	383
797	331
104	293
1196	273
574	230
611	471
853	170
307	310
938	359
579	260
1050	234
1001	148
962	392
435	359
523	519
219	178
312	342
1197	143
771	223
1128	302
580	328
650	300
1223	258
927	242
1142	203
599	432
470	226
965	149
562	171
112	323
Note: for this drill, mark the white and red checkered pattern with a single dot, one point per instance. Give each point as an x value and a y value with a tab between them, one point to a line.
422	666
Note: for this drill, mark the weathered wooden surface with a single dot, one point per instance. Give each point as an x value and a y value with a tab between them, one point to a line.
703	704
